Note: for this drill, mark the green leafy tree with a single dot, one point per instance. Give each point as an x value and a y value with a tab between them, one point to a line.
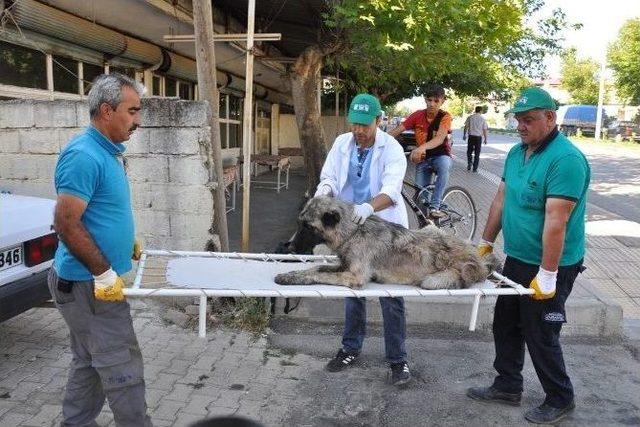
580	78
624	60
394	47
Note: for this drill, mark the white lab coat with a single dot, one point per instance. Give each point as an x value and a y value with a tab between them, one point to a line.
387	170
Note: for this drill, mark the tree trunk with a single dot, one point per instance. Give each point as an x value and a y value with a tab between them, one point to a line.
208	91
304	83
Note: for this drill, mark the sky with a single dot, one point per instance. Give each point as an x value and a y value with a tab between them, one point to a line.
601	20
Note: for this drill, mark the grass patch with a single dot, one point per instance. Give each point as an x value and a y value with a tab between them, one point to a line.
248	314
606	143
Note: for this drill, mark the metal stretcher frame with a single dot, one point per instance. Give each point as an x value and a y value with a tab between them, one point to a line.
507	286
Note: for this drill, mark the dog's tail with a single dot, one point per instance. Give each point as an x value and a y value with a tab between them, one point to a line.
492	263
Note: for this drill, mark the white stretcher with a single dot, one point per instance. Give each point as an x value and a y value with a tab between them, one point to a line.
163	273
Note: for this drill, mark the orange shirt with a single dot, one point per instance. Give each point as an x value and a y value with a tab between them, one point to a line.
419	122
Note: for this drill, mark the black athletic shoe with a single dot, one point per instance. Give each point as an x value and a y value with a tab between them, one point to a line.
490	394
400	373
341	361
545	414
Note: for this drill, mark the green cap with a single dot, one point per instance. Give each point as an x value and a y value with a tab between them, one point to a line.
364	109
533	98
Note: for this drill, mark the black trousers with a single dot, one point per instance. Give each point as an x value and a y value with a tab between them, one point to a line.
518	320
474	145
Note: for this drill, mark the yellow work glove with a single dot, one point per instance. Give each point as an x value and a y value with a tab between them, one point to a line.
108	286
485	247
544	284
137	250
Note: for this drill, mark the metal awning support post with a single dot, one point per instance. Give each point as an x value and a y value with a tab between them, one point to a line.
246	128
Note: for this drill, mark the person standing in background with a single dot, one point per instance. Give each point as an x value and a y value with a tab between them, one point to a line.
475	127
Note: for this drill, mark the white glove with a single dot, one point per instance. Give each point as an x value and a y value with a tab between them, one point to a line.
324	190
361	213
544	284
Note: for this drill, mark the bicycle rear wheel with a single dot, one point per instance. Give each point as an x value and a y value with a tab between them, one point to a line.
461	219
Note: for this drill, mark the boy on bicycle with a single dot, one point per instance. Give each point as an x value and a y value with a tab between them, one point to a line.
433	153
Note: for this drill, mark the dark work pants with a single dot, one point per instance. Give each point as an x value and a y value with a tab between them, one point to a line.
106	363
474	145
518	320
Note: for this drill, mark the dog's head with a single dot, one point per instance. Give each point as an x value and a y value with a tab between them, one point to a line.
302	243
327	219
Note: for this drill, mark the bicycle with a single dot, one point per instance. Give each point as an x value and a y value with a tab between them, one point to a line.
460	211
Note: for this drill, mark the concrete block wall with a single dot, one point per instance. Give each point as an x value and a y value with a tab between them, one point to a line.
165	161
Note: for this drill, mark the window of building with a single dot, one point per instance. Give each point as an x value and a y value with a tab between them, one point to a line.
235	135
155	86
230	121
223	106
89	73
224	134
65	75
235	107
170	86
20	66
185	90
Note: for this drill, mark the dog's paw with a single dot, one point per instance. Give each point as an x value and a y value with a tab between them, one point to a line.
286	279
293	278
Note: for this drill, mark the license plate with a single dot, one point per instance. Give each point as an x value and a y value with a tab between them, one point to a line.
10	257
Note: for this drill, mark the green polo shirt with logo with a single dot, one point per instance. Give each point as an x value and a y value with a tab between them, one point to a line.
556	169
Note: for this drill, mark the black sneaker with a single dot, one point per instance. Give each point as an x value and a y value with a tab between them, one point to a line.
546	414
400	373
491	394
341	361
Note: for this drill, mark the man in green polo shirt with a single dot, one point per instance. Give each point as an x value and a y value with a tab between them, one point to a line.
540	208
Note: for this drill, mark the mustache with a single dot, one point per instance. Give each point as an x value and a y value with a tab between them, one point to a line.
132	128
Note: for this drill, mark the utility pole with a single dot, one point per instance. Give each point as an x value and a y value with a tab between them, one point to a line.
600	99
208	91
246	128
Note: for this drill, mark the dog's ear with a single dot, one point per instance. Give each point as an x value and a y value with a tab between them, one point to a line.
330	219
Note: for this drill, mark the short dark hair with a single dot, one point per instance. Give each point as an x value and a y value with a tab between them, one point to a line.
478	109
433	90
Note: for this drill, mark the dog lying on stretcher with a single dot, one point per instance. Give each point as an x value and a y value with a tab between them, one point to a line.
384	252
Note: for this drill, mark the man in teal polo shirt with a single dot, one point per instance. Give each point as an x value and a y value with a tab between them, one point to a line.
540	208
94	223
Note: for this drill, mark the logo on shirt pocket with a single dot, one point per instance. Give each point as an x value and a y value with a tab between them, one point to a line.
531	196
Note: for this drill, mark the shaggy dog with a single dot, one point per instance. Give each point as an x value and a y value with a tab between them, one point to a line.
384	252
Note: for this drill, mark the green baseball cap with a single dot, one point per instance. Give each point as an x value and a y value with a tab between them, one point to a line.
364	109
533	98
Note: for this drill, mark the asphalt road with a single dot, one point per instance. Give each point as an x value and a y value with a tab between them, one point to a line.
615	180
444	364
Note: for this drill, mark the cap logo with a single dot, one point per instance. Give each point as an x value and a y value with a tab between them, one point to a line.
361	107
522	100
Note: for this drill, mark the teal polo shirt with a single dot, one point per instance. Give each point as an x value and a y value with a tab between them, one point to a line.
556	169
90	167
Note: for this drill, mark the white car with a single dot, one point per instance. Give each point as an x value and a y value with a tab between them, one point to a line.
27	246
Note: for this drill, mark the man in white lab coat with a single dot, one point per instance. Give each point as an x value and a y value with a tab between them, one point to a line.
366	167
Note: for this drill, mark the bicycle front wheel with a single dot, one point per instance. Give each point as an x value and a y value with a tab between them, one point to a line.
461	219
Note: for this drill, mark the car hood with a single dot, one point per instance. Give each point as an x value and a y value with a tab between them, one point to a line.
23	218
